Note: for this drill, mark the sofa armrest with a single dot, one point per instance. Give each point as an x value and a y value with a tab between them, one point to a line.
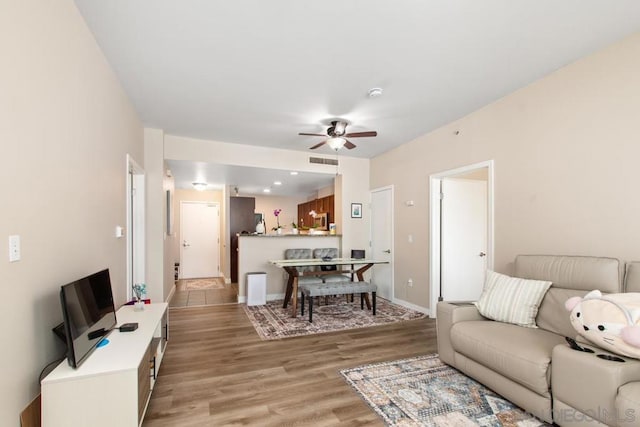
447	315
586	383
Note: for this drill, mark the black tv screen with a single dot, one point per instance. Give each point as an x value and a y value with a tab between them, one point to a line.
89	314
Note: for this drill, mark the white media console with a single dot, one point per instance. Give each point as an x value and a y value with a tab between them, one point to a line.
113	385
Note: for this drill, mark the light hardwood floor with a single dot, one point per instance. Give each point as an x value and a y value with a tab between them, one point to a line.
218	372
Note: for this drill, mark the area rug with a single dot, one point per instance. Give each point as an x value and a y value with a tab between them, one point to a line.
203	284
271	321
423	391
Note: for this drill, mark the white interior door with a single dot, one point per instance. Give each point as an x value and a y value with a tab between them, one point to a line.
464	238
382	241
135	229
200	239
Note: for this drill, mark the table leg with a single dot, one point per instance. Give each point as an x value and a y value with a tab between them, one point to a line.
360	274
294	302
287	295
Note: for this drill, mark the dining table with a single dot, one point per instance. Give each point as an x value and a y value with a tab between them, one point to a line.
342	265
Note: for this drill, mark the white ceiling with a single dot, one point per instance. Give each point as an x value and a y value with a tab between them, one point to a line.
249	181
258	72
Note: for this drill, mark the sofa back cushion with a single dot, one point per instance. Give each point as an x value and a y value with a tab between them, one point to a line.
632	277
570	276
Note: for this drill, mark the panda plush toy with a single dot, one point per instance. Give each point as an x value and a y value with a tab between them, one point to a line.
612	321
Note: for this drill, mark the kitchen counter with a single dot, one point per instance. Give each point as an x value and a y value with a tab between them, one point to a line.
255	251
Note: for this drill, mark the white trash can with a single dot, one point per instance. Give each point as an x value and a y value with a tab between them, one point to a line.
257	288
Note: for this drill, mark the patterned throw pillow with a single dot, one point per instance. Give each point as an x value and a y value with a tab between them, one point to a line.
511	299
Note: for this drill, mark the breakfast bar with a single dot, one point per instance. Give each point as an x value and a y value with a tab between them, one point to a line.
255	251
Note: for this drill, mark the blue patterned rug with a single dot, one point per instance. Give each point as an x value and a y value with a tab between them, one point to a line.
423	391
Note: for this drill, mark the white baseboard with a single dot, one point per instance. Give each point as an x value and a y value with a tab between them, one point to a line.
412	306
270	297
173	291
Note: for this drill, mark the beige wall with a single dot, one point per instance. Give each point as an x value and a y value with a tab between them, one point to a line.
326	191
65	129
289	205
566	152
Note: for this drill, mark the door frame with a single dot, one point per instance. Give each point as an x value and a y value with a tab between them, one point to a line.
434	224
200	202
392	242
136	206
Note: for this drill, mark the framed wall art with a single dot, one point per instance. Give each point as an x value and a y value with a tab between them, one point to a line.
356	210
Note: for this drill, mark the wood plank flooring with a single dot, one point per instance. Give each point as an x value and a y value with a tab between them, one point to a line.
218	372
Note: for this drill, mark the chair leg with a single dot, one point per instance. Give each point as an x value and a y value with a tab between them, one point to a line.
361	301
302	305
373	297
310	309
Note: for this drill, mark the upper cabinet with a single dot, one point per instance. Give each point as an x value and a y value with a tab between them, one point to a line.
323	205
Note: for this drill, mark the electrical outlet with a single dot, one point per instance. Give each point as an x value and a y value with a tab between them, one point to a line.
410	283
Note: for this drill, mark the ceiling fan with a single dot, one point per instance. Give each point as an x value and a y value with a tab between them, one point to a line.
337	136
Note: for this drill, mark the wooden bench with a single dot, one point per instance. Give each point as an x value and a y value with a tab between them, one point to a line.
344	288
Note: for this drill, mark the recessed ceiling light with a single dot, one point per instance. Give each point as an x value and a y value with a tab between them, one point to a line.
293	173
266	190
375	92
200	186
277	183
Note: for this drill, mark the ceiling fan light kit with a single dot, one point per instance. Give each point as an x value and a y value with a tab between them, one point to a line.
375	92
336	143
200	186
337	136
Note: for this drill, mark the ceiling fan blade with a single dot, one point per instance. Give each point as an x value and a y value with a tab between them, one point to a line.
311	134
348	144
318	145
361	134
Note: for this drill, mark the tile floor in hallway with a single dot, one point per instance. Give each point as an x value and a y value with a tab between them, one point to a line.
191	298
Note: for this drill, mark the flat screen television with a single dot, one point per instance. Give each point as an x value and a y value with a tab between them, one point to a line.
88	313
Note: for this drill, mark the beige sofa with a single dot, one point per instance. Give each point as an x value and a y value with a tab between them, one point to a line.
534	367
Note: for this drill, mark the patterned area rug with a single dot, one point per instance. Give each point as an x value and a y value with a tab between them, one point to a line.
271	321
203	284
423	391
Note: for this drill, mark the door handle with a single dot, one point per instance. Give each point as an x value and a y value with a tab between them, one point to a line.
481	254
388	251
185	244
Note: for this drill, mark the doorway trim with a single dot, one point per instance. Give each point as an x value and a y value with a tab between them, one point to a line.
434	224
136	225
391	189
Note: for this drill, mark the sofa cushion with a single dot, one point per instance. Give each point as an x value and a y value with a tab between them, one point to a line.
573	272
632	277
552	314
521	354
628	404
511	299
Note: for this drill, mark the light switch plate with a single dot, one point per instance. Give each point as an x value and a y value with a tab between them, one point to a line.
14	248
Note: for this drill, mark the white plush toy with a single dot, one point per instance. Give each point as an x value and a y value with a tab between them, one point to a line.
610	321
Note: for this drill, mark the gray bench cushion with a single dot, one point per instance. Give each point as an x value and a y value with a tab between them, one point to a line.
316	290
